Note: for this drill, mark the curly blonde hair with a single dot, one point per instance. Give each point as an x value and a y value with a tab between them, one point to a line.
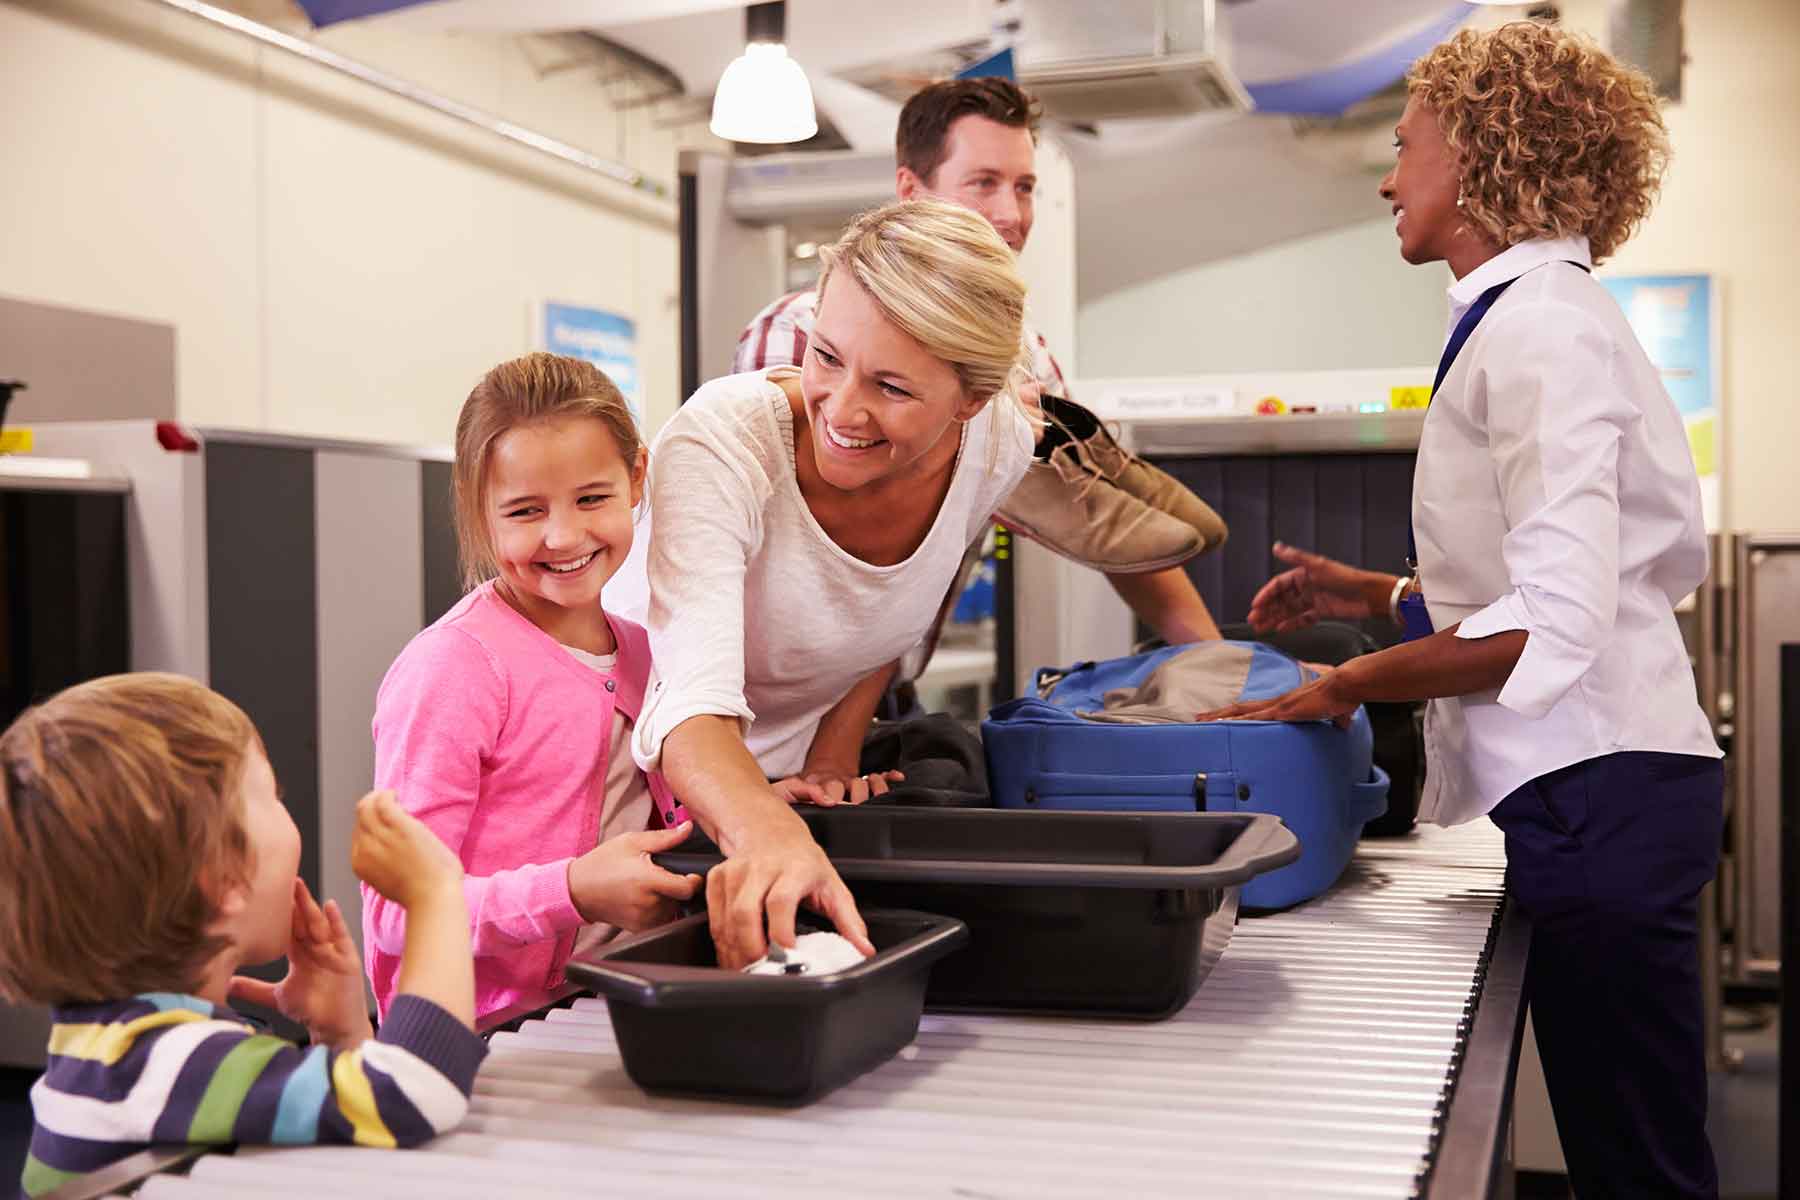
1556	137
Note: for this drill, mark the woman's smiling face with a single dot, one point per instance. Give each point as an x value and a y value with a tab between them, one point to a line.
877	402
1423	186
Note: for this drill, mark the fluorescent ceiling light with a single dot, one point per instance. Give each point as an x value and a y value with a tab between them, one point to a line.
763	96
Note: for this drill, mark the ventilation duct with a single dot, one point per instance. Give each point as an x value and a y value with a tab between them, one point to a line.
1183	70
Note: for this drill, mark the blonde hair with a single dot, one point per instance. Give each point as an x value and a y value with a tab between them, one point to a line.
942	275
119	801
1556	137
537	387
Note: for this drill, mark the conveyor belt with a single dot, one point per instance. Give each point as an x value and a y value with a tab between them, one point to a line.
1315	1061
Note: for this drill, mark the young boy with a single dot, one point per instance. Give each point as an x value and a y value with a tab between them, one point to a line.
144	855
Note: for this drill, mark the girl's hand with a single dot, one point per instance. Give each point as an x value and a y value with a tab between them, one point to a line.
615	883
323	989
1315	588
1324	699
393	852
828	787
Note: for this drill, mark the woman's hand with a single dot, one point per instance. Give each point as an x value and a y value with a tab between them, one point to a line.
1324	699
828	786
323	989
616	883
772	865
1317	588
772	871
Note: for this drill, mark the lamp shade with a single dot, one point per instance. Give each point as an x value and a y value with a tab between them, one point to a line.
763	97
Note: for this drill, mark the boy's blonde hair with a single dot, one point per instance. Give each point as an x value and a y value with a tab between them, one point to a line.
121	818
1556	137
537	387
943	276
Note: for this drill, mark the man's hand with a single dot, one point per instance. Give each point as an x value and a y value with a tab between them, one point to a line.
1316	588
323	989
828	786
776	870
394	853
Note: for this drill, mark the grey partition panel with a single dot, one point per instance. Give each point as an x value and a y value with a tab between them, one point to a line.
369	584
1354	507
437	531
85	366
262	612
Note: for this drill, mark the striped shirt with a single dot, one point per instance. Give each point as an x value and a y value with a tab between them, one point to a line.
776	337
167	1068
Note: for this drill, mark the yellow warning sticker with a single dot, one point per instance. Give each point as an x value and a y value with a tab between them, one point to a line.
15	441
1409	397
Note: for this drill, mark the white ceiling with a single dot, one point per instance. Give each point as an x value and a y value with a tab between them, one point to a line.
1208	187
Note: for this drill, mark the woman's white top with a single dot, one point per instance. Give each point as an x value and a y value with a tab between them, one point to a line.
1555	493
753	611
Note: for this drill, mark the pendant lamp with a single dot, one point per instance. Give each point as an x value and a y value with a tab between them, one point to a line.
763	95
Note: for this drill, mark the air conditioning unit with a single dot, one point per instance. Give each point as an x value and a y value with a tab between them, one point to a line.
1156	85
1185	71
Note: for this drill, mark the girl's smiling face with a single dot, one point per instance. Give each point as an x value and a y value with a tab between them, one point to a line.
559	501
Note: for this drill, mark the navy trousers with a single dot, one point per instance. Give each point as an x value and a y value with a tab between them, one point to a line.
1606	859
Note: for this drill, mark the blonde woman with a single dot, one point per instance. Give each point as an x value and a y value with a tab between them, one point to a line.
1557	522
807	526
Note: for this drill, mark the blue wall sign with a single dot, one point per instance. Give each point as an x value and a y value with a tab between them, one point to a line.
605	339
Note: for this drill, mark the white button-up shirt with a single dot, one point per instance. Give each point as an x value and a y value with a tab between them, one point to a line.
1555	493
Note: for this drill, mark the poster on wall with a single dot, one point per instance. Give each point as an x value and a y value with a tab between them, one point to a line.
1676	317
603	338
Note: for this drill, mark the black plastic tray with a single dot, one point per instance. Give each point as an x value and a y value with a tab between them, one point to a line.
684	1025
1069	913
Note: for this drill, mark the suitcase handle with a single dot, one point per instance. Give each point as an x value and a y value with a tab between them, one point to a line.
1369	800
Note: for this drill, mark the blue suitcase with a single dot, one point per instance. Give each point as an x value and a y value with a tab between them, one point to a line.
1319	779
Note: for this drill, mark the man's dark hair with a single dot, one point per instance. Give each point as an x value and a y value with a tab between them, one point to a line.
925	121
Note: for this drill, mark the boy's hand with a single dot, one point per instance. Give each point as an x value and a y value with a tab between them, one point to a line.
323	989
393	852
617	884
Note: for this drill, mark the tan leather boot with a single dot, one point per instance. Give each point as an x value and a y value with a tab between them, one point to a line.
1083	517
1102	456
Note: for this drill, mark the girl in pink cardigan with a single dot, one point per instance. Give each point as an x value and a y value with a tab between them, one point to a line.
506	726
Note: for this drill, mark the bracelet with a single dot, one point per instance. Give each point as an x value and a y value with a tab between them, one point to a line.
1400	586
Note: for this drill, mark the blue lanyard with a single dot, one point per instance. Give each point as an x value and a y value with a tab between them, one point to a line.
1415	621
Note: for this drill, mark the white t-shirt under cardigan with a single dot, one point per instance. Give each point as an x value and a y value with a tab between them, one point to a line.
754	612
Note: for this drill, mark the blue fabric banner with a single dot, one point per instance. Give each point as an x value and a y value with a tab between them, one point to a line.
1328	93
330	12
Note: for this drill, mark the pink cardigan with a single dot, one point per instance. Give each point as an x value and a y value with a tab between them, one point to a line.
496	738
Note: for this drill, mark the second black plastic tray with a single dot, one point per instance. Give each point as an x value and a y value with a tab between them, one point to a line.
1080	913
684	1025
